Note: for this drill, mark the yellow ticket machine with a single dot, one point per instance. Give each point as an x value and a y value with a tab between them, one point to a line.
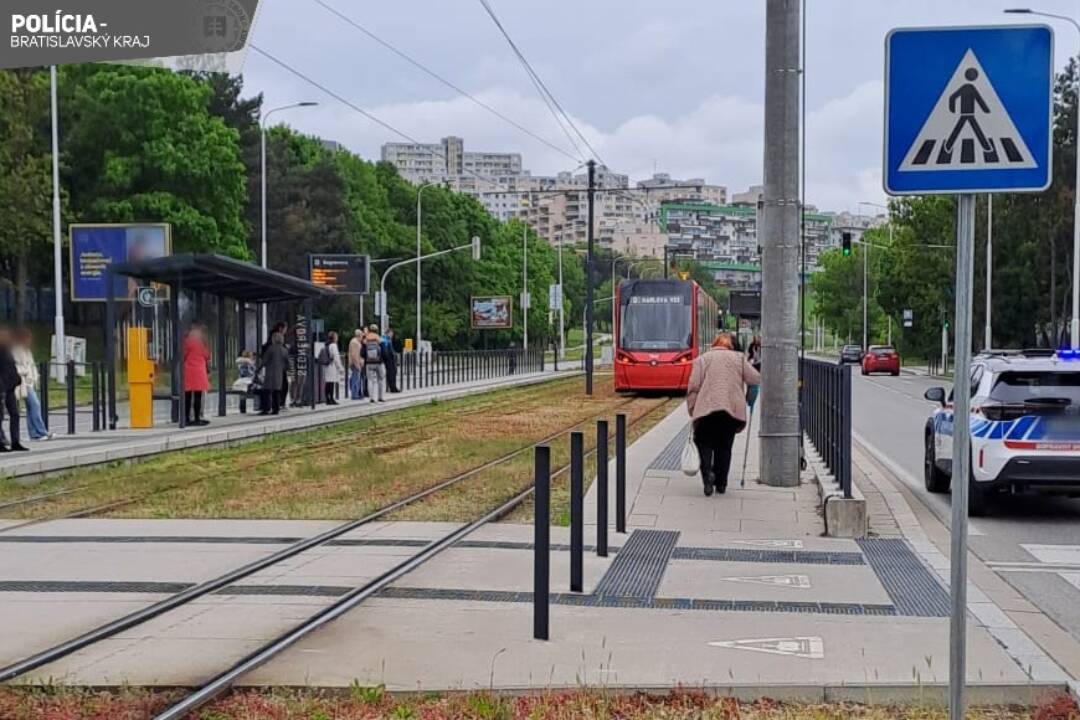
140	372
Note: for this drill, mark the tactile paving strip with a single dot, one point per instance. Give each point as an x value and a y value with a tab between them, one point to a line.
639	567
801	557
670	458
915	592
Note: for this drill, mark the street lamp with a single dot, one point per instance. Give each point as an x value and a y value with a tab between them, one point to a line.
1074	327
262	157
419	312
865	260
381	303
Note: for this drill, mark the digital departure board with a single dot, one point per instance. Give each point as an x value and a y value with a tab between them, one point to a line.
347	274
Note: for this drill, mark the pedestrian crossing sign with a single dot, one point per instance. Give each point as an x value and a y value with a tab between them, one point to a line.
968	110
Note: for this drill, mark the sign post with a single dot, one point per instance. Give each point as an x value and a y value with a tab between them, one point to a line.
967	110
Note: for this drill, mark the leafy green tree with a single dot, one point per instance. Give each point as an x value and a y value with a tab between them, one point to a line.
141	146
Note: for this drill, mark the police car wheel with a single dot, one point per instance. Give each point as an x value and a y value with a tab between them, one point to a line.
977	499
934	479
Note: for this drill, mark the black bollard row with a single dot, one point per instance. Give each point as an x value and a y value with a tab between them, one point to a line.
71	397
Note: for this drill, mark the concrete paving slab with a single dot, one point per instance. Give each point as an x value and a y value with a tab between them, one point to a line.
402	643
178	528
773	581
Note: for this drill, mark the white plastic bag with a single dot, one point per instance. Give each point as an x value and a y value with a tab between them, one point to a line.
691	461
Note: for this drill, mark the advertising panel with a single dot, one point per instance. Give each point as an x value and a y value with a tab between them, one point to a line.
492	312
94	247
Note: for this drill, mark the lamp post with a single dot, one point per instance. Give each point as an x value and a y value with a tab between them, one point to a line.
419	287
865	274
384	314
1074	326
262	162
58	280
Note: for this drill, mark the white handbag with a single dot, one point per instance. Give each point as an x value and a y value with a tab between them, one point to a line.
691	461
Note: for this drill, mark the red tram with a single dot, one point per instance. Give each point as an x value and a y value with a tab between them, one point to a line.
660	327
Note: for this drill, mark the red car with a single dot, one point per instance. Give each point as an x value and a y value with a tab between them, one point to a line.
881	358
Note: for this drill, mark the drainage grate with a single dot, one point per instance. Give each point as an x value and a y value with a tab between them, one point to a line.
92	586
670	458
801	557
914	590
639	567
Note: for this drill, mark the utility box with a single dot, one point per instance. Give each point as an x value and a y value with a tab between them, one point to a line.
140	372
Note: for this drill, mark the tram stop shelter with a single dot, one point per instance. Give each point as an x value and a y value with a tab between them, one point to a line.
223	278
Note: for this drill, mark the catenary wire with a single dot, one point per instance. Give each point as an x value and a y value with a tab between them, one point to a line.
541	86
420	66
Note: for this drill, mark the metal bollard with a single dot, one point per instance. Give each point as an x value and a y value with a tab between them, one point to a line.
95	394
43	372
577	511
71	396
541	541
601	487
620	473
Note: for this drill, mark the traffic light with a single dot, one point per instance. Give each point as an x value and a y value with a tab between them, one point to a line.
845	244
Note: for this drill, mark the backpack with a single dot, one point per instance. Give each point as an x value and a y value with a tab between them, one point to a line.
373	351
324	356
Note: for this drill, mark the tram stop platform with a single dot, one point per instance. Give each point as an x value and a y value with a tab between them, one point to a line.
86	447
737	593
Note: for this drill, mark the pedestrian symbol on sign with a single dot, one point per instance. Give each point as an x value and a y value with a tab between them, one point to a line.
968	128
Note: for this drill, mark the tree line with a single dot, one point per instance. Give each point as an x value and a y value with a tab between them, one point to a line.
149	145
1032	244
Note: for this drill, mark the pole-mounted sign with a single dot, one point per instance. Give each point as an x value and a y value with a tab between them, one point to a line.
967	110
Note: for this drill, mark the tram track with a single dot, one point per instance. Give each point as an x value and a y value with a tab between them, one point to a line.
172	602
349	439
221	682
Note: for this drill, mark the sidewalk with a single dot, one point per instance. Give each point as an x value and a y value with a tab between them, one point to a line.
738	593
86	447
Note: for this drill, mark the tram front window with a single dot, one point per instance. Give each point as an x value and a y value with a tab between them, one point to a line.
655	323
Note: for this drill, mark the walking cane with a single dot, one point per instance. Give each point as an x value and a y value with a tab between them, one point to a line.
751	398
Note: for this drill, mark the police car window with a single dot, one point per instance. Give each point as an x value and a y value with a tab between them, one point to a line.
1016	387
976	378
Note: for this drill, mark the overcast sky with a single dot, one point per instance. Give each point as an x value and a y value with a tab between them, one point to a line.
676	86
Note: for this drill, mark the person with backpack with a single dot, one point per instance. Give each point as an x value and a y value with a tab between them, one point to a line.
374	365
9	383
356	364
330	364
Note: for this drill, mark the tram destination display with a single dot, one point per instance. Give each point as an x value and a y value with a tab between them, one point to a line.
346	274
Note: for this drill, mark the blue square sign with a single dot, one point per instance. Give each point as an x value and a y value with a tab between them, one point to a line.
968	110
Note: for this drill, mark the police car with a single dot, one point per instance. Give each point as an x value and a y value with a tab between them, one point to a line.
1025	426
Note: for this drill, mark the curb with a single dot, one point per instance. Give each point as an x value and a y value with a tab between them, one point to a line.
844	517
230	436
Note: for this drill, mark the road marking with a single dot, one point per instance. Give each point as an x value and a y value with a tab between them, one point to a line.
801	582
1072	578
789	544
911	481
812	648
1054	554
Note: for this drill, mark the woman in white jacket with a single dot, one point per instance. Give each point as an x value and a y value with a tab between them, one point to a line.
24	363
334	370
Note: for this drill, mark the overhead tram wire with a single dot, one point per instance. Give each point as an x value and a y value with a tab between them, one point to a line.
464	93
541	87
370	116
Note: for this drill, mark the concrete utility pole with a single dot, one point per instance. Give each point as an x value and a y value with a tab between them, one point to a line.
780	248
588	283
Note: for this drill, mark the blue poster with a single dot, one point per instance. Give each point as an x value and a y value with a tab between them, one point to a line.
95	247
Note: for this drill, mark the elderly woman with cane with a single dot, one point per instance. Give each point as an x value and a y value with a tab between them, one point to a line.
716	398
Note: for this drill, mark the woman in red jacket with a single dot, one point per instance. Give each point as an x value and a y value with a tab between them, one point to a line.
196	374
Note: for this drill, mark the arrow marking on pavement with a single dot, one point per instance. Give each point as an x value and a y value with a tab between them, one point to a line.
812	648
801	582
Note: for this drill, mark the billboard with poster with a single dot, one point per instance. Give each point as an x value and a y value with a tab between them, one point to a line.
93	247
493	312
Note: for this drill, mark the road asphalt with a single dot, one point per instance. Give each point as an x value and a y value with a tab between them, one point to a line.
1032	541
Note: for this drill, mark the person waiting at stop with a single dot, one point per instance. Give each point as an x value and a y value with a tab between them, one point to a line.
374	365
